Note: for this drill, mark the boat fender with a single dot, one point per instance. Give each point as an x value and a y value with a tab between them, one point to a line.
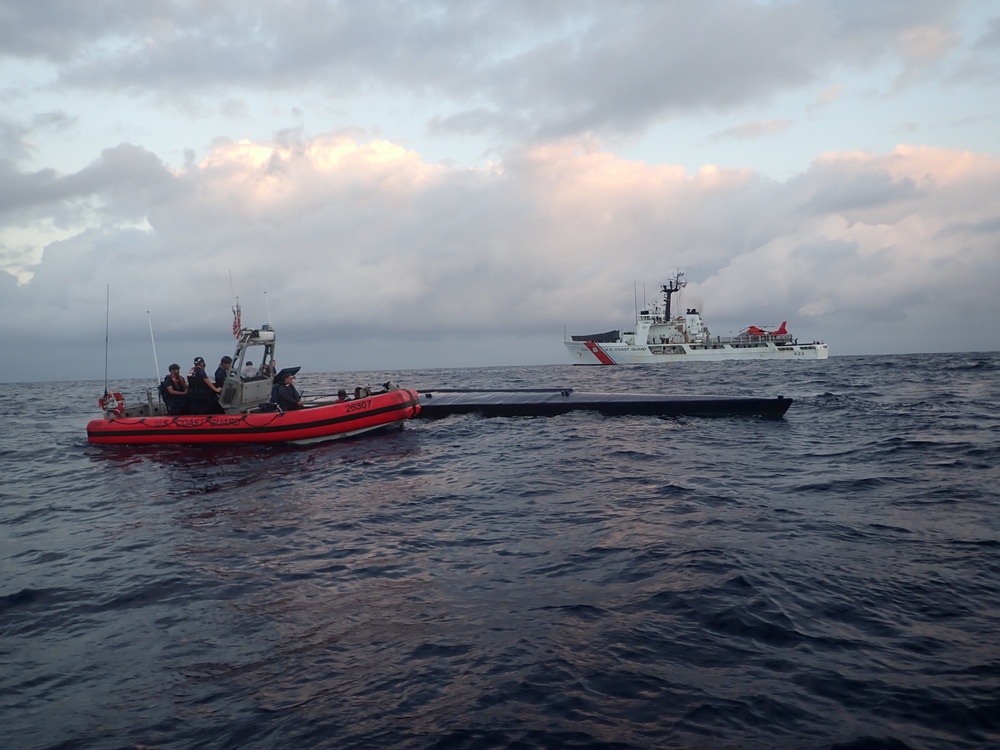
113	402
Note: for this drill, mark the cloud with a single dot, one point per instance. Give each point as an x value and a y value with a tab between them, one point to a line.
989	40
362	244
923	45
120	185
59	30
13	141
919	49
16	137
968	120
554	70
477	121
981	62
55	121
750	130
828	96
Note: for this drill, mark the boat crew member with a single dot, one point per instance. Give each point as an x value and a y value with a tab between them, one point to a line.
225	365
175	391
249	371
342	395
203	394
285	395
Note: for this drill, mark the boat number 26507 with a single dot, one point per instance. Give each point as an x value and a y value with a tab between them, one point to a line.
353	406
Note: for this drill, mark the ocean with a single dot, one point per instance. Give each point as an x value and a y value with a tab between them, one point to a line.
826	580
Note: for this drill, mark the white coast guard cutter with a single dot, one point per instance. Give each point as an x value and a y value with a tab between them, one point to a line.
658	338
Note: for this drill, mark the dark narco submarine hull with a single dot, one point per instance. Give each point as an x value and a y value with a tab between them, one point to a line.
548	402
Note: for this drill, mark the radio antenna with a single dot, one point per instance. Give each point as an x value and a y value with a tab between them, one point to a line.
156	362
107	328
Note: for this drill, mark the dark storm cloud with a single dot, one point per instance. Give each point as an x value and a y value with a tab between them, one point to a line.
124	182
25	191
129	178
566	67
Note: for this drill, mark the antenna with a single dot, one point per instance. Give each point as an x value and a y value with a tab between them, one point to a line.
671	287
268	310
156	362
107	328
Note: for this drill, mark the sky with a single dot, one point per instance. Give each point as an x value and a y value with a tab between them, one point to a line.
404	185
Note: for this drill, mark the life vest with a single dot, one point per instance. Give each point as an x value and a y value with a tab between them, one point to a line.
178	384
197	386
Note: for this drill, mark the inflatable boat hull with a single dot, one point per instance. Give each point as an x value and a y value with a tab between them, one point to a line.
313	424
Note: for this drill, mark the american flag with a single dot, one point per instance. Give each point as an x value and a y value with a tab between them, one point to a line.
236	321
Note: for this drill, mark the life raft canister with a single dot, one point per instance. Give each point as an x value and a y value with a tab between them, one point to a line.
113	402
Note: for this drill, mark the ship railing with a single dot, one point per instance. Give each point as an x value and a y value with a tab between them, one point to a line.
778	338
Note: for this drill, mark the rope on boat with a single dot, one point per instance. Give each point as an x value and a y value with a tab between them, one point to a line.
206	423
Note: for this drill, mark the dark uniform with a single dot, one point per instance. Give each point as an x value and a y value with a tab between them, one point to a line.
176	403
201	398
285	395
222	372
